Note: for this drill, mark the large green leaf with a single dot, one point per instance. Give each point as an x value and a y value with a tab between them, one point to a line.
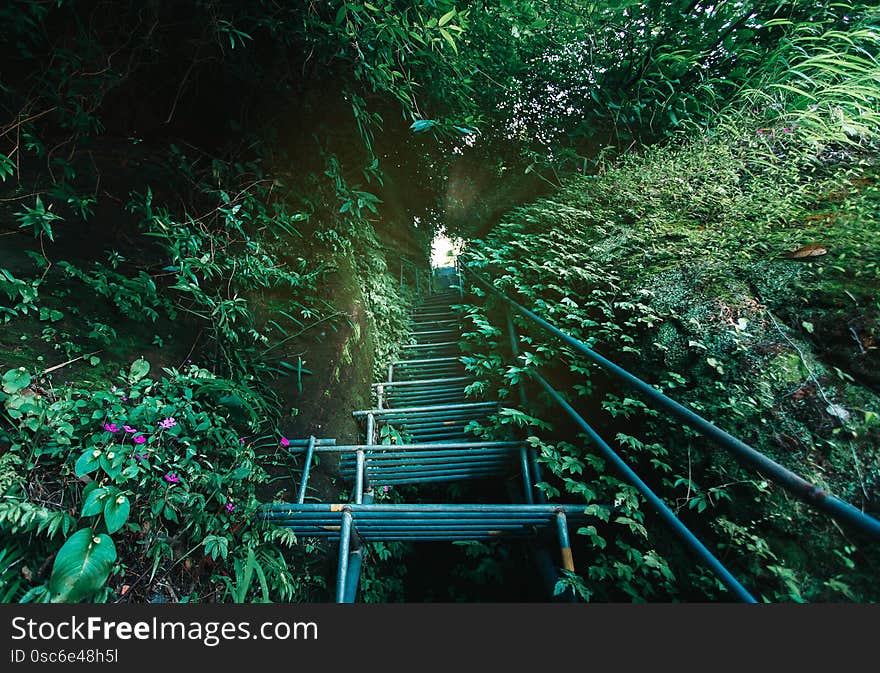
89	461
94	501
16	379
116	512
139	369
82	566
112	462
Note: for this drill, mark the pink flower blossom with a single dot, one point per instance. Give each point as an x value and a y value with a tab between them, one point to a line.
285	442
140	456
384	489
169	422
241	441
139	439
128	428
229	507
111	427
171	477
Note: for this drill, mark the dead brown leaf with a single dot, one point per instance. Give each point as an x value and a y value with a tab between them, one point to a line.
812	250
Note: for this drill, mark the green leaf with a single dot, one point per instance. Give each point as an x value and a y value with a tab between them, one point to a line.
446	18
94	501
15	380
244	585
116	512
112	463
82	566
87	462
216	545
139	369
448	37
422	125
7	167
340	14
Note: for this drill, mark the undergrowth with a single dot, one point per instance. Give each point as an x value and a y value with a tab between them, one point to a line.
737	272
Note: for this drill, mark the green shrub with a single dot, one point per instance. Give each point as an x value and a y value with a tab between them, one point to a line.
132	484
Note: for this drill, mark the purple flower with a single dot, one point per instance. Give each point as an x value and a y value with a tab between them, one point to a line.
140	456
128	428
285	442
111	427
168	423
139	439
124	398
171	477
229	507
241	441
760	132
785	129
384	489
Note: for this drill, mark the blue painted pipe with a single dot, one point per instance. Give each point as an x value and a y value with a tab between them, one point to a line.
432	410
344	543
422	518
392	481
427	397
527	482
425	509
433	395
435	468
433	436
373	449
795	484
384	468
413	395
446	457
310	451
548	509
426	382
355	561
397	527
443	538
414	362
457	462
439	398
439	411
421	391
380	476
364	526
564	543
691	540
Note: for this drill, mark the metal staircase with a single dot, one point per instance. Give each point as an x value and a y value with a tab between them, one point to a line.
423	410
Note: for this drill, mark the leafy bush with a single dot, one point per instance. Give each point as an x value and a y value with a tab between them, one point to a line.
682	264
155	477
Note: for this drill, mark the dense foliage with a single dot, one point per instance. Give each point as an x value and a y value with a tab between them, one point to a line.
205	203
738	272
148	212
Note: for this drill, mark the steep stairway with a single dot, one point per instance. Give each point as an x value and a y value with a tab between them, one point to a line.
417	434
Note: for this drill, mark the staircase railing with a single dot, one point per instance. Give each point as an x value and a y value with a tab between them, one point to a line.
793	483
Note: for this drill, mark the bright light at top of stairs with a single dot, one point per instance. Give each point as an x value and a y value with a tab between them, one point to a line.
444	249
